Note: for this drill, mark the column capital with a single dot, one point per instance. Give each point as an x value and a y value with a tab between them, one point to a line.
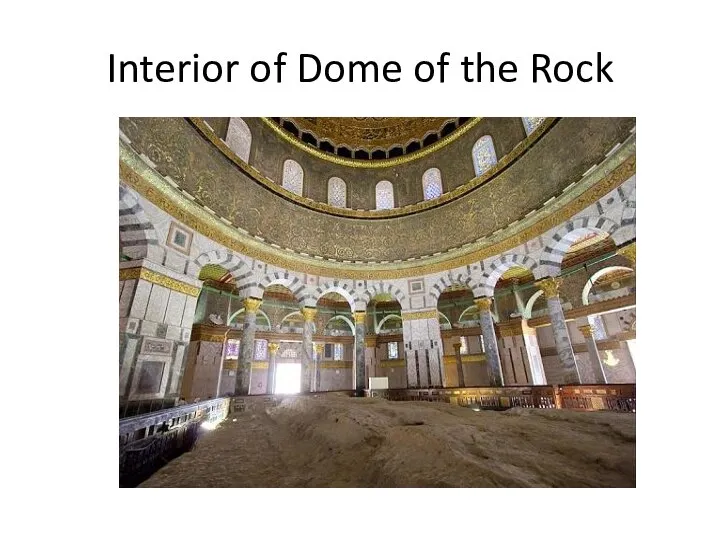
550	286
252	304
629	253
484	303
359	317
318	347
273	347
586	330
309	313
457	346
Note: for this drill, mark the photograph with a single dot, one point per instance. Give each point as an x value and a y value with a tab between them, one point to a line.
377	302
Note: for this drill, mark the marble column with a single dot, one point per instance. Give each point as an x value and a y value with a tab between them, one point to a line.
550	287
593	355
308	314
487	326
359	371
272	367
318	352
247	351
458	363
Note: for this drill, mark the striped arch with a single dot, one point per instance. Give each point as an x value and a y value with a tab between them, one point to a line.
450	279
343	289
501	265
288	280
565	236
597	275
138	237
385	288
240	270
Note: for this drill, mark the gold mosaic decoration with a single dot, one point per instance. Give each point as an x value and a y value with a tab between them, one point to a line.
620	167
370	164
158	279
253	173
418	315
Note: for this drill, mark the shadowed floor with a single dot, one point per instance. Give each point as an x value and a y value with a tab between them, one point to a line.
336	441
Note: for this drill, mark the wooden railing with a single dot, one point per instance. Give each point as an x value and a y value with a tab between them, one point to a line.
148	441
614	397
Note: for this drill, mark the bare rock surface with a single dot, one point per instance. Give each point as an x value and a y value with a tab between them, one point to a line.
336	441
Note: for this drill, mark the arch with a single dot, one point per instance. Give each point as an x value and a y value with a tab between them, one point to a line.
597	275
379	325
343	318
384	195
531	123
343	289
565	236
138	237
432	183
501	265
527	314
483	154
469	308
292	177
441	315
239	138
450	279
293	283
385	288
240	271
337	192
260	313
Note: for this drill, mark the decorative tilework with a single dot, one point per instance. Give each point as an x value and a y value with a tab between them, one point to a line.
532	122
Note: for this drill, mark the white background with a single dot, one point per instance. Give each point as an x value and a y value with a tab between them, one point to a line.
59	223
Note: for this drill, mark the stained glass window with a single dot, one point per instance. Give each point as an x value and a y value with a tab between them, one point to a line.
338	351
232	349
292	178
384	198
483	154
463	345
432	184
289	353
531	122
239	138
261	349
392	349
337	192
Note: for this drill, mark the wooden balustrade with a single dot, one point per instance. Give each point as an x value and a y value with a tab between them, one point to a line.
614	397
147	441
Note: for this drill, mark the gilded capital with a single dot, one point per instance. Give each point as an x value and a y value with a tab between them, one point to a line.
484	303
629	253
550	286
359	317
309	313
273	347
586	330
252	304
318	347
457	346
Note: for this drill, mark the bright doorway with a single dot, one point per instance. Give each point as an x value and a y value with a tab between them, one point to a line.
287	378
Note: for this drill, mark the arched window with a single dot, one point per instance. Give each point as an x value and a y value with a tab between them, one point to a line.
292	178
483	154
384	198
531	122
337	192
432	184
239	138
